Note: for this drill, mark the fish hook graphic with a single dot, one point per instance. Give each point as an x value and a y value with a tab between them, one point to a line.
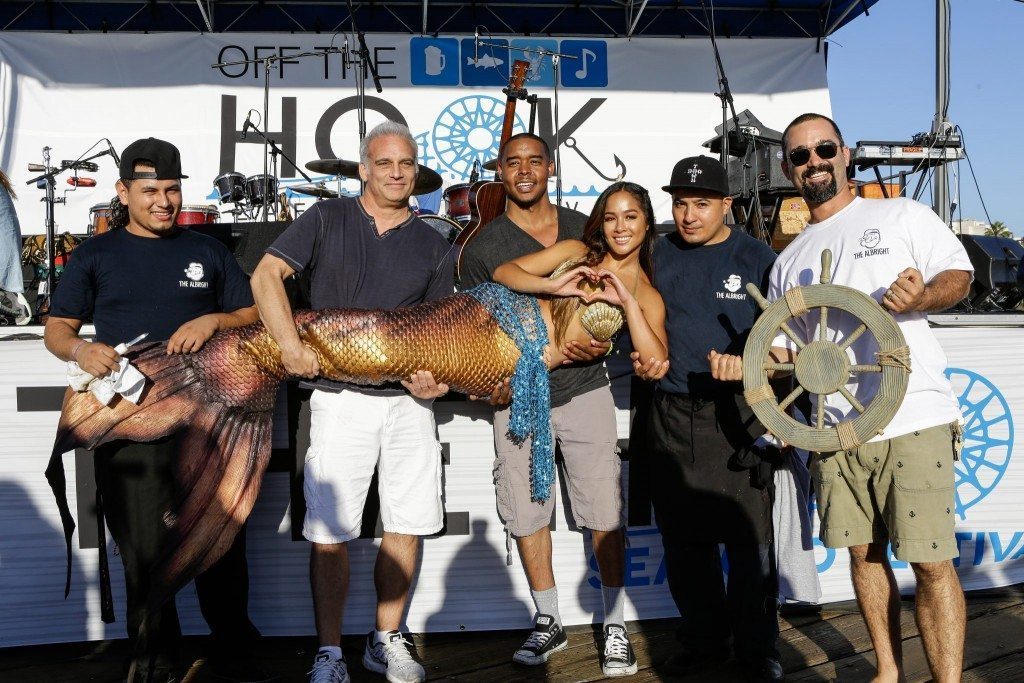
570	142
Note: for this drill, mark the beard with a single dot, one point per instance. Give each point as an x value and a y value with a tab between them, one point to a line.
819	193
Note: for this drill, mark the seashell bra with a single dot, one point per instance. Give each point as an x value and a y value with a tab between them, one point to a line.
601	320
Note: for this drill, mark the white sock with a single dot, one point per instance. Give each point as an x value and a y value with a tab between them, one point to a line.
547	603
381	636
614	598
333	650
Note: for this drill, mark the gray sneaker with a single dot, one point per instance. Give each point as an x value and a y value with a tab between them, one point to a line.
393	659
326	669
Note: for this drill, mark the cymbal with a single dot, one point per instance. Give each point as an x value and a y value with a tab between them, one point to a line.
491	165
342	167
427	181
314	191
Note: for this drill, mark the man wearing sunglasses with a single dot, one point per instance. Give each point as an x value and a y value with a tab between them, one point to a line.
899	487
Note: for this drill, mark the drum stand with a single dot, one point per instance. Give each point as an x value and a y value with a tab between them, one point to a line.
275	151
48	177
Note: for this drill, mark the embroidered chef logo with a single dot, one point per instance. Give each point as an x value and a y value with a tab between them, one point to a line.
732	285
195	274
870	241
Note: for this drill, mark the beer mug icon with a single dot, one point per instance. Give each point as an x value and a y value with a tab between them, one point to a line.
434	60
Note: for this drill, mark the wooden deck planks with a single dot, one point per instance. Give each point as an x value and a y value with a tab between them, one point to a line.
818	647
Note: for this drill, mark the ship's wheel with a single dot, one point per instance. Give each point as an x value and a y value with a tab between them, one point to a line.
823	367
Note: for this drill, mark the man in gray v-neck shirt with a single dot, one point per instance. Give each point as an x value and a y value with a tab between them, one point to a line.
580	396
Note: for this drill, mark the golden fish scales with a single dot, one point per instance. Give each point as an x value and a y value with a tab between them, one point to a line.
455	338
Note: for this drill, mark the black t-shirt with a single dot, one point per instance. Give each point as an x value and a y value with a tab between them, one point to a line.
128	284
351	266
706	303
502	240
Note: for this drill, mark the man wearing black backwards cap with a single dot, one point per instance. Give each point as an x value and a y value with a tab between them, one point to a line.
705	484
149	276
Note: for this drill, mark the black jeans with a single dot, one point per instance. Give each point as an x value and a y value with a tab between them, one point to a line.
745	608
136	482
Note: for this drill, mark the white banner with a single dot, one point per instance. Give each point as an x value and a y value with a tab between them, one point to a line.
629	108
463	581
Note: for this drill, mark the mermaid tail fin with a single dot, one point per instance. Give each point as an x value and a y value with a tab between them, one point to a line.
168	402
222	456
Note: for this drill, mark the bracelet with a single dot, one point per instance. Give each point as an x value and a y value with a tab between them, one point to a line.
78	347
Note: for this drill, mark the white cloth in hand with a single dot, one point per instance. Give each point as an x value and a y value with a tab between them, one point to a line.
126	380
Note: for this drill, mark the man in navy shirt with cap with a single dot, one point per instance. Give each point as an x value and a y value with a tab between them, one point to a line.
149	276
706	487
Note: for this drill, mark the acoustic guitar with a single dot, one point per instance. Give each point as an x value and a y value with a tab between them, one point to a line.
487	198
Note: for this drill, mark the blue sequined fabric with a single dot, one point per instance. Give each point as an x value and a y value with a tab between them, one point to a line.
519	317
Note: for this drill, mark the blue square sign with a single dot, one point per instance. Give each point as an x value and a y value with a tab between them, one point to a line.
541	72
434	61
488	65
590	68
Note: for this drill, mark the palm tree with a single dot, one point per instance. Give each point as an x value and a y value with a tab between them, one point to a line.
998	229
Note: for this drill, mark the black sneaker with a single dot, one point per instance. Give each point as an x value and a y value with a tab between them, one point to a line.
618	659
239	670
547	637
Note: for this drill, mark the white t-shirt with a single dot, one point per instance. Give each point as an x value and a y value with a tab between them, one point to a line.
872	241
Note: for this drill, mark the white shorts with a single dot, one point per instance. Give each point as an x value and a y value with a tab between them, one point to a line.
352	433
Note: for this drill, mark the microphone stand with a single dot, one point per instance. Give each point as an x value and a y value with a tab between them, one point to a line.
269	63
275	151
365	63
556	58
728	106
51	199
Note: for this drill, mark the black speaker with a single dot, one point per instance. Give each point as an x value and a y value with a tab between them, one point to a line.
997	270
253	240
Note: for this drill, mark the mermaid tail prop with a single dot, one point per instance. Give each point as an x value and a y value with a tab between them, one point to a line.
221	400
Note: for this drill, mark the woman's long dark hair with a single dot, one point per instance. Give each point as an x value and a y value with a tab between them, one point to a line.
562	308
6	183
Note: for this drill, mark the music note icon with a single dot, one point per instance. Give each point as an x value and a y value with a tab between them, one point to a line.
587	55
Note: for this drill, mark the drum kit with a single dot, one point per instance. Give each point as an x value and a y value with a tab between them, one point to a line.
249	194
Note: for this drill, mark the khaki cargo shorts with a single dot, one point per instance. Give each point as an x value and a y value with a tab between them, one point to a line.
901	489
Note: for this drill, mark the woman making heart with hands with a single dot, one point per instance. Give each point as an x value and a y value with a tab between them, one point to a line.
585	288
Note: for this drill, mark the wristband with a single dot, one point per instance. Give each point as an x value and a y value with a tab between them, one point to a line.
78	347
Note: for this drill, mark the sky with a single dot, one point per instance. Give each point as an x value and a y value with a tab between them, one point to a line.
881	74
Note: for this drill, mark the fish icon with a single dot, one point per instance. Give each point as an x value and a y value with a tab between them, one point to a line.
484	61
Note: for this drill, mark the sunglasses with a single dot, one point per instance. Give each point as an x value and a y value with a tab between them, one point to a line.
824	150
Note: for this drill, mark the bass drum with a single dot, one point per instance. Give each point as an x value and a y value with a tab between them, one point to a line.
448	228
198	214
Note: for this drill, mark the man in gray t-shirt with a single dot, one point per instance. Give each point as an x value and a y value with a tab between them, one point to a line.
579	392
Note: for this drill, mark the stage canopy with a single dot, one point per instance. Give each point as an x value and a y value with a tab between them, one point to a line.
609	18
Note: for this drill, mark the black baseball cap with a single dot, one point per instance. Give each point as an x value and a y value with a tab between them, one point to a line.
162	154
699	173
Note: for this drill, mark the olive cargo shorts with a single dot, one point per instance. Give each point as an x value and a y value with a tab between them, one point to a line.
900	489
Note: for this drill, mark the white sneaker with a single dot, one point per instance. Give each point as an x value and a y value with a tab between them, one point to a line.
392	658
327	669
